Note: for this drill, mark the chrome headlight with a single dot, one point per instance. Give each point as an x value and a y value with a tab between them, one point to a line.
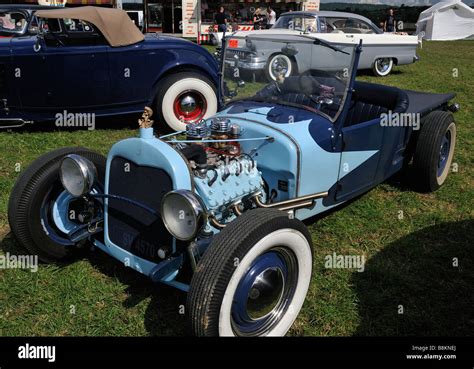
77	174
183	214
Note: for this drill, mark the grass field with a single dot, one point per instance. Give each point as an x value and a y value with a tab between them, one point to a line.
409	287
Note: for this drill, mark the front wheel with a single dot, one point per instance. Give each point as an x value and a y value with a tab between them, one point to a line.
278	64
185	97
252	284
39	207
382	67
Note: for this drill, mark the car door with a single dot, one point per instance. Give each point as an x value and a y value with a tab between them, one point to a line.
361	150
133	70
26	74
77	66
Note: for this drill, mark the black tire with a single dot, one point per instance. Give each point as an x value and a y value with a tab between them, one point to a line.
287	59
175	84
377	67
26	199
426	160
217	267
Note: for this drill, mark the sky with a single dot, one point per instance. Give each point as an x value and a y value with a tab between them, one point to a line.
393	2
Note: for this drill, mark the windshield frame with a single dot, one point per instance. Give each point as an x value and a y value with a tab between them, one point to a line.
302	16
356	49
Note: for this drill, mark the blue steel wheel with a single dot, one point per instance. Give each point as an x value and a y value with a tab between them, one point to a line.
444	152
38	206
434	150
253	284
264	292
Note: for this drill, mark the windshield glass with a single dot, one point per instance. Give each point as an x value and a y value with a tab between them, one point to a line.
292	70
297	23
12	23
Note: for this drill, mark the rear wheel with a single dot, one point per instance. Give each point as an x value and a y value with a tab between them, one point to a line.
38	209
185	97
253	284
382	67
434	150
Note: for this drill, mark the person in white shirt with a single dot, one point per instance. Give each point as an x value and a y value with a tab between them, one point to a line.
271	17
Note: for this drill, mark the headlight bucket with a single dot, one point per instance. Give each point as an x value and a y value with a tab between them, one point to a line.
183	213
77	174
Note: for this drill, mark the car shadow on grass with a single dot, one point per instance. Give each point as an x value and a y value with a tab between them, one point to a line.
420	284
164	314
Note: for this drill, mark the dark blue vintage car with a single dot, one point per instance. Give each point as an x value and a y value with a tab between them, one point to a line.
93	60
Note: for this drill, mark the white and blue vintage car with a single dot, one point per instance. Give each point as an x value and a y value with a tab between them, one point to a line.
217	210
381	50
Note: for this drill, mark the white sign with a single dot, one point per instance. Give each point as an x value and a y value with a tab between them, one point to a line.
52	2
191	18
311	5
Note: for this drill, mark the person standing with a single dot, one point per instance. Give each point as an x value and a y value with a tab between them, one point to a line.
271	17
257	19
221	20
390	24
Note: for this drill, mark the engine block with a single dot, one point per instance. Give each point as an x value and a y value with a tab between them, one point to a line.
228	183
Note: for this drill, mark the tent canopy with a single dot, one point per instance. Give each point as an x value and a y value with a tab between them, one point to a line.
446	20
115	24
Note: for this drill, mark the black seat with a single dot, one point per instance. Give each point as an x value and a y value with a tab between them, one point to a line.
361	112
369	101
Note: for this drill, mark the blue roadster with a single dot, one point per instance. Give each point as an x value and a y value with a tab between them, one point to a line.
91	60
216	210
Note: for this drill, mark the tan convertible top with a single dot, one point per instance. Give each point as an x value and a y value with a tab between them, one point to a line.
115	24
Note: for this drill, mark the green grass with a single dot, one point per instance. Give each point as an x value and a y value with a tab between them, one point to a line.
409	260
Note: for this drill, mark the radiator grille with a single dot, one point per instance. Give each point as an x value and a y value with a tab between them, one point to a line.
130	226
239	53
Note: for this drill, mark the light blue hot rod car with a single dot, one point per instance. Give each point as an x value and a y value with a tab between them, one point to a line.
216	210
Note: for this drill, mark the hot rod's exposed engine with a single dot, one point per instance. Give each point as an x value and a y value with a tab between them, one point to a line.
224	176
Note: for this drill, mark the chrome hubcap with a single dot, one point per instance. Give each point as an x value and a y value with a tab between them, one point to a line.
383	65
280	66
188	104
265	293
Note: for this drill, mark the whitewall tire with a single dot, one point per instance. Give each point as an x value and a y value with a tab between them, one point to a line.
253	284
185	97
382	67
278	63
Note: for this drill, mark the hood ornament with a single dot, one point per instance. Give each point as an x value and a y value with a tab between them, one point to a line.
145	121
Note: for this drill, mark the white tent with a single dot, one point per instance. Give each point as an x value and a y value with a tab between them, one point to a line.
446	20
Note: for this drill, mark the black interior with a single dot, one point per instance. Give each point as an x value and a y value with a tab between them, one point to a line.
370	100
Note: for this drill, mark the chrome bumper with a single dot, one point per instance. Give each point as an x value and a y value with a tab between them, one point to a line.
249	65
